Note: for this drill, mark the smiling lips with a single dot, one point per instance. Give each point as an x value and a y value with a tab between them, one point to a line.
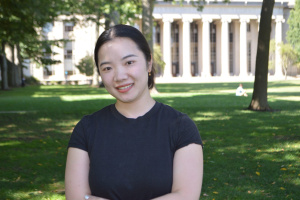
124	88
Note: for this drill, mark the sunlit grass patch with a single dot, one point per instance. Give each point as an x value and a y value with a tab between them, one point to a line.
85	97
10	143
289	98
210	116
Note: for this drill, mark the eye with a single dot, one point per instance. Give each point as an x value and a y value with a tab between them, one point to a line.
106	69
129	62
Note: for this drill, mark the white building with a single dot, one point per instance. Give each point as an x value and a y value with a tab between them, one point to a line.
221	40
82	40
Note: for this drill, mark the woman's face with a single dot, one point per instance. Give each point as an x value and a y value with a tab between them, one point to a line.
124	70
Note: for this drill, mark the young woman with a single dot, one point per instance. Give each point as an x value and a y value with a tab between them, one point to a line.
137	148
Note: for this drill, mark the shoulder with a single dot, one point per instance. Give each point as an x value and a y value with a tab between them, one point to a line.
84	131
169	111
174	114
90	120
174	117
104	112
183	131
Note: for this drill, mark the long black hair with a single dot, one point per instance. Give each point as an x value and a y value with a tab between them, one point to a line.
127	32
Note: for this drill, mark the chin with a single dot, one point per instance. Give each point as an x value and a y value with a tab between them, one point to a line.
125	100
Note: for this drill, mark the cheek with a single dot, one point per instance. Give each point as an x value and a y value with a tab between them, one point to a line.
105	80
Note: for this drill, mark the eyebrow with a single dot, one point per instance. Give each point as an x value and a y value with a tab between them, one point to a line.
130	55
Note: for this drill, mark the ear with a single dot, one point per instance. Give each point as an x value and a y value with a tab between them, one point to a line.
150	65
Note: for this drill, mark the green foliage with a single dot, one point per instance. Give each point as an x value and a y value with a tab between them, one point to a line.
128	11
40	50
30	80
86	65
22	24
289	56
97	9
293	34
200	4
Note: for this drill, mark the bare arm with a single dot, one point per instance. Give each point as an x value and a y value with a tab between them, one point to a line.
187	174
76	176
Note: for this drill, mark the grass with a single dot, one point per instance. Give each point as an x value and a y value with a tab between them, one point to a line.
247	155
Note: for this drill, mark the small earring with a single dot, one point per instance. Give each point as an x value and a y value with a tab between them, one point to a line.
149	73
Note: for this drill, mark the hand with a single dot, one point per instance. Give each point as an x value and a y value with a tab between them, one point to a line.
90	197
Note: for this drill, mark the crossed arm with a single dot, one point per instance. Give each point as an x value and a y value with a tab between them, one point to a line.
187	175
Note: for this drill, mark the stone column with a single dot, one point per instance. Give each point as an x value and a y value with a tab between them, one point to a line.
167	47
206	47
278	40
236	48
200	56
225	46
243	46
186	47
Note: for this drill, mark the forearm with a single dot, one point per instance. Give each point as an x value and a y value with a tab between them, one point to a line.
170	196
95	198
187	178
76	176
176	196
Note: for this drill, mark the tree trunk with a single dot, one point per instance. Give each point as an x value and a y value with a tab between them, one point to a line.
4	83
285	73
95	80
20	75
147	21
259	100
112	19
14	72
147	28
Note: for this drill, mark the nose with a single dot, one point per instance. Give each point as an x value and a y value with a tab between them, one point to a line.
120	74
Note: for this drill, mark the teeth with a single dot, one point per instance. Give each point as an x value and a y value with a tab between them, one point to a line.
122	88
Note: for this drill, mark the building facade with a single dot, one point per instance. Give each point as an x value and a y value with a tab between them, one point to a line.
221	40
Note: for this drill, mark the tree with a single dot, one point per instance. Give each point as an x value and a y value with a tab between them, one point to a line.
4	82
289	57
86	65
293	34
259	100
21	24
147	21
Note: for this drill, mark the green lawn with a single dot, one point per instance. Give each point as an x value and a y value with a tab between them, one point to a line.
247	155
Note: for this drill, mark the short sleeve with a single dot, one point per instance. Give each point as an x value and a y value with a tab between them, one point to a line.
78	138
187	133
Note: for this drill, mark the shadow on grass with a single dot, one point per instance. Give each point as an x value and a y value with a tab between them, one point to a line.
33	141
247	155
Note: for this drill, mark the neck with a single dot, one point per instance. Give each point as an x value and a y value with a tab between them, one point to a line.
135	109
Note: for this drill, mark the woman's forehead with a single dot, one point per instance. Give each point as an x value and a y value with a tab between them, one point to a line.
118	45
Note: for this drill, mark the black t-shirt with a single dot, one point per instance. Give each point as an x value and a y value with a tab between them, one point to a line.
132	159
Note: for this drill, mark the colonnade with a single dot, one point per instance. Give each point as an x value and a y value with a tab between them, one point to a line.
241	52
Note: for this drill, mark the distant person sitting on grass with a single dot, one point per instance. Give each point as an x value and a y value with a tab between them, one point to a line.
240	91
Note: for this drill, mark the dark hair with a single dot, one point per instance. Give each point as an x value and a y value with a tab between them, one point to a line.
127	32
